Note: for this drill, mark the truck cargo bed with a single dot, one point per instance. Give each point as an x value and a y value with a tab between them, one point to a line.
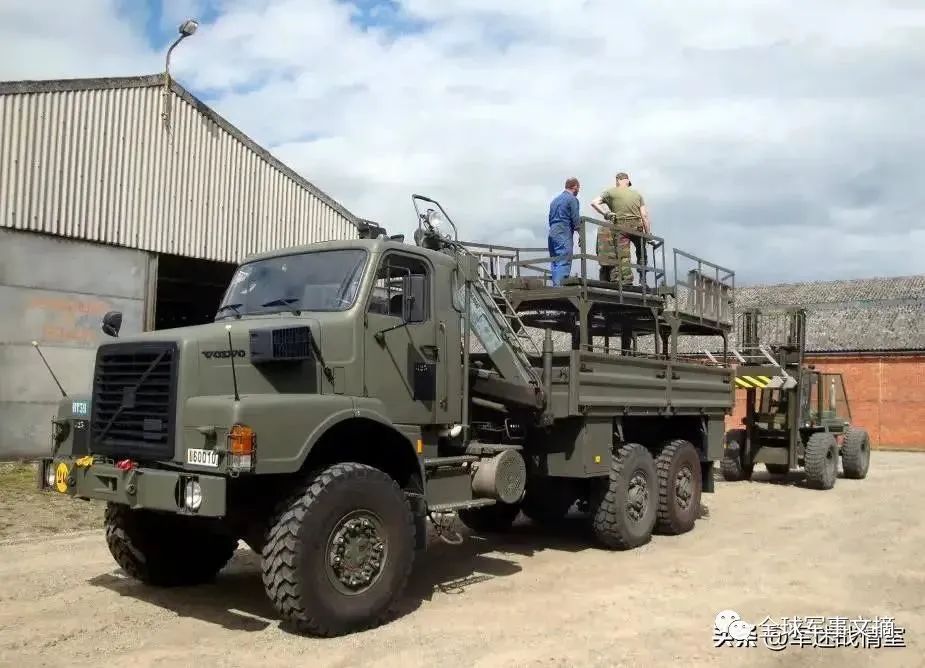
588	383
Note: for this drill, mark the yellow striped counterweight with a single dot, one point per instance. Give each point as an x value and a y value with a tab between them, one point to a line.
752	382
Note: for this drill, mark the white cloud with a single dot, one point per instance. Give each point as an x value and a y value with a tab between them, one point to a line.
47	39
777	137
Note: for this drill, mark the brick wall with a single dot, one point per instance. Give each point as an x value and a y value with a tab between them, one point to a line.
886	395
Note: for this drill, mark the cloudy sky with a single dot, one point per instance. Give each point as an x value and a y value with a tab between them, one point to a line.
783	139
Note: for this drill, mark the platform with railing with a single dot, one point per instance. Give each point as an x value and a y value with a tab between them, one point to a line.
701	298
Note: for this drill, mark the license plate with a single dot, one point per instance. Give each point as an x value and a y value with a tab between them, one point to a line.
202	457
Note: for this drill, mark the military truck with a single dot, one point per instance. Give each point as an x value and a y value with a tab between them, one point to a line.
348	391
795	415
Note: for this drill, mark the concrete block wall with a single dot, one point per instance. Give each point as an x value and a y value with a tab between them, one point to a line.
55	291
886	395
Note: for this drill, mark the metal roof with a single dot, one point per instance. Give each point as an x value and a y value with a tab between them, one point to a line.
89	158
870	315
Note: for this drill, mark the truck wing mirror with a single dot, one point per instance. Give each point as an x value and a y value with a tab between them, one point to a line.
414	298
112	323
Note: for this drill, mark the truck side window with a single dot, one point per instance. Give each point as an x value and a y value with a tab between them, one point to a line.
387	293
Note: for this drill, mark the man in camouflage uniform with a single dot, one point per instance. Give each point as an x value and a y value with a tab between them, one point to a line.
612	253
628	209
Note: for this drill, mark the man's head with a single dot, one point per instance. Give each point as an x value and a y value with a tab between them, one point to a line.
623	179
572	185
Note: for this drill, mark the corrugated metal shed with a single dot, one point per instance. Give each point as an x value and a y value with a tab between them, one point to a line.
90	159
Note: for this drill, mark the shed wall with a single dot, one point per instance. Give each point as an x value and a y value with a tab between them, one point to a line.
55	291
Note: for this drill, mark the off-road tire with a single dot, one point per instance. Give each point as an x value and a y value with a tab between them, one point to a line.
297	574
821	460
855	454
165	550
777	469
496	518
548	500
611	521
731	466
680	485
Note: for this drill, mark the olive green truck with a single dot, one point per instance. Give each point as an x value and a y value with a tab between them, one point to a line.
348	391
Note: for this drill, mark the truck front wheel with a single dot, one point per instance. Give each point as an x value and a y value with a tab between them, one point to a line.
624	505
165	550
338	555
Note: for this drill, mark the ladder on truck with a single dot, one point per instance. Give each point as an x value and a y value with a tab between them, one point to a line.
502	333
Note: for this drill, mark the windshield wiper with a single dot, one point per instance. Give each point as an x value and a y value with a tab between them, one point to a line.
232	307
280	302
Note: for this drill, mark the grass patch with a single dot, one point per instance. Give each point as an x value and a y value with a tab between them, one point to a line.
26	511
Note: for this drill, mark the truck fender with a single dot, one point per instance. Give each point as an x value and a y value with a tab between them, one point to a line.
406	436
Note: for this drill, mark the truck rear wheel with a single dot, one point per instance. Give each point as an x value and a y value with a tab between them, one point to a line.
821	460
165	550
625	504
679	487
338	555
855	454
733	464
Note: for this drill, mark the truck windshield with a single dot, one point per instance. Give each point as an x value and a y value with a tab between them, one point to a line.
317	281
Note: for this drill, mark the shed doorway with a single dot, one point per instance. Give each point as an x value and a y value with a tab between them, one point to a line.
188	290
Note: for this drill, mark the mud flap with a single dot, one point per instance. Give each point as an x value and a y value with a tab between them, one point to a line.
419	511
706	476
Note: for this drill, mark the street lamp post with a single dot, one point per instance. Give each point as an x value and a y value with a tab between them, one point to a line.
186	29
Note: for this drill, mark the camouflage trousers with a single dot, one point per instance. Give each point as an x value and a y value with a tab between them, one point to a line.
614	257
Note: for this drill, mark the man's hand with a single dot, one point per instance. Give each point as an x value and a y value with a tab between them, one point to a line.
596	205
611	216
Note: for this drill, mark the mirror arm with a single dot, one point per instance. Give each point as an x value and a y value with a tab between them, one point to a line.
380	335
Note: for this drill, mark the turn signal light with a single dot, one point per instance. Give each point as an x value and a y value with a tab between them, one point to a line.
241	440
242	444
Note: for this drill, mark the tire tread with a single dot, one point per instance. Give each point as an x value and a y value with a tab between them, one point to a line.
280	561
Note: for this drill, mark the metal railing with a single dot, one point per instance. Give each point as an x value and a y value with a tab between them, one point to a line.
707	294
533	263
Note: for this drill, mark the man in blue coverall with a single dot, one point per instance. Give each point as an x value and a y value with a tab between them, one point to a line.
563	223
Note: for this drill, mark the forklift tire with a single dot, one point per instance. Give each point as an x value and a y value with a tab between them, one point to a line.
855	454
731	466
490	519
624	505
340	550
777	469
679	488
821	460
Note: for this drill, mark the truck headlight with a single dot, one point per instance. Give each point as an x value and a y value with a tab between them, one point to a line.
192	495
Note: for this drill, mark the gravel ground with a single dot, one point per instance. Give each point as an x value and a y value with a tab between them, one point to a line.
767	548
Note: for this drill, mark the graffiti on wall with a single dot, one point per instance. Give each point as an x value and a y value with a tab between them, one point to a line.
69	319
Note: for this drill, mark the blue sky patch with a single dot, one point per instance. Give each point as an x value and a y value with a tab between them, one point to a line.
386	16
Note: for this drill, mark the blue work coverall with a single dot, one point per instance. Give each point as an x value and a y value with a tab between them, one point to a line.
563	221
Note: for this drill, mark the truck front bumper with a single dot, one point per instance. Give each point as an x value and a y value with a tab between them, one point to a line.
149	488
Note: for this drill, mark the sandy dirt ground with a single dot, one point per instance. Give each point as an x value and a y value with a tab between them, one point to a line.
767	548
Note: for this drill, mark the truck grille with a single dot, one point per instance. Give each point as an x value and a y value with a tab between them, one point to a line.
134	400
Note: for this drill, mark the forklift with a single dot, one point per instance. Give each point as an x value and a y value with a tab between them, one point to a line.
796	416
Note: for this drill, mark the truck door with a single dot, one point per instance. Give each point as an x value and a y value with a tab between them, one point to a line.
403	363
